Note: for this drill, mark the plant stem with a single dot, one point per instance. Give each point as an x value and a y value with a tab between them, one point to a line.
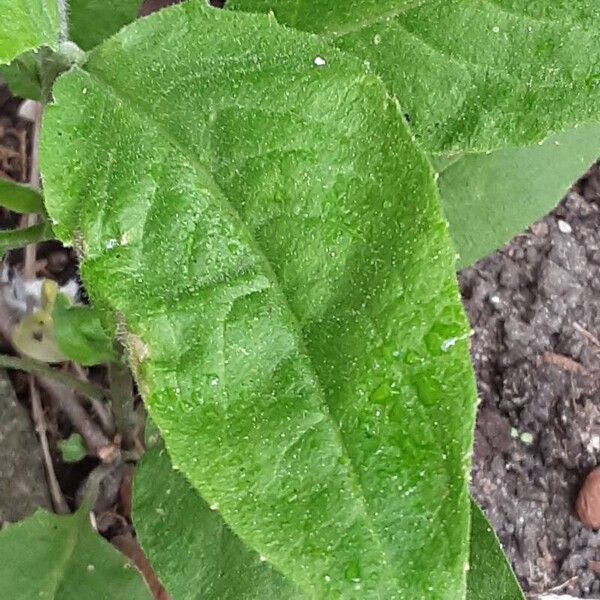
58	500
121	390
98	444
63	18
40	369
17	238
101	409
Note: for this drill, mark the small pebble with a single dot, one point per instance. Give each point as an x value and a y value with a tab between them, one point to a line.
588	501
320	61
564	227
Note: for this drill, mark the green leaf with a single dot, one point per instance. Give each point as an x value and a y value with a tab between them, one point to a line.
92	21
72	449
479	76
18	238
490	574
27	25
79	333
196	556
20	198
270	238
491	197
23	76
62	558
471	75
191	549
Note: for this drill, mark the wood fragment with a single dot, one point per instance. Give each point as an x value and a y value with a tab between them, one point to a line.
129	546
585	333
564	362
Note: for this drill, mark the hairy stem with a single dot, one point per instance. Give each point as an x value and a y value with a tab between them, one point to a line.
63	16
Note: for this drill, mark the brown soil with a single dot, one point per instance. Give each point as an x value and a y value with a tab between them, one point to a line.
535	314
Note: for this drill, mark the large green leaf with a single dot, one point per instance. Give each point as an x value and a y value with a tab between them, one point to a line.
270	239
491	197
490	574
471	74
475	76
92	21
193	552
200	558
62	558
27	25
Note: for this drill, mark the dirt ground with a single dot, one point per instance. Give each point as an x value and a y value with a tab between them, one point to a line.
535	313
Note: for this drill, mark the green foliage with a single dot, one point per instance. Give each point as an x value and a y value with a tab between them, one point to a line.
79	333
196	558
27	25
490	574
20	198
261	225
62	558
201	558
17	238
472	76
265	230
72	449
478	77
23	75
497	195
92	21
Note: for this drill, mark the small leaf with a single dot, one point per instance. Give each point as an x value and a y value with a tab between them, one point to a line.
34	336
72	449
489	198
79	333
27	25
23	78
62	558
92	21
20	198
193	552
490	574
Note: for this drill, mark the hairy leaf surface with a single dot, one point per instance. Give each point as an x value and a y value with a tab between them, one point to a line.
196	558
490	574
200	558
269	237
62	558
479	76
472	75
27	25
92	21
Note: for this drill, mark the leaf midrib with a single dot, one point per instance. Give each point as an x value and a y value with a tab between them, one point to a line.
146	118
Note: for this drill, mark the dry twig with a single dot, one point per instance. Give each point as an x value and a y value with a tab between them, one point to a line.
585	333
58	500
